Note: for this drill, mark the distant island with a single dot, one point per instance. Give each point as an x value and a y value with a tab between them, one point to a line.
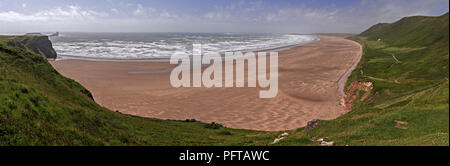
41	34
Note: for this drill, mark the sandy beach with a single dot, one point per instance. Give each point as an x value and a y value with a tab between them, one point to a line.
309	79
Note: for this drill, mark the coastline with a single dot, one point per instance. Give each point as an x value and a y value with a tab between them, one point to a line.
303	95
167	59
343	80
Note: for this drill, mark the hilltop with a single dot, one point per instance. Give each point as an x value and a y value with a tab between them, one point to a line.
415	31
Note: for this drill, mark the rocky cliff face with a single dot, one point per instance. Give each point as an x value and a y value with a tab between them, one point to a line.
38	44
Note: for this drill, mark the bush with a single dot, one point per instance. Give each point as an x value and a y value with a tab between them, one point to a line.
24	90
213	125
190	120
35	101
11	105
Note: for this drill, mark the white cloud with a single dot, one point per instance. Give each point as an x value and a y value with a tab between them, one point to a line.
12	16
254	5
166	14
353	19
218	15
24	5
75	18
140	11
56	14
71	18
114	10
241	16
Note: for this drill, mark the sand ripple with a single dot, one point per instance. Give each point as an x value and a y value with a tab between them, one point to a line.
308	89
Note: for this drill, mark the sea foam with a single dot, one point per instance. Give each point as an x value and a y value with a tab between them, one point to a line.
164	45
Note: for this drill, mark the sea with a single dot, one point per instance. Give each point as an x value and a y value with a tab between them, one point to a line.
140	46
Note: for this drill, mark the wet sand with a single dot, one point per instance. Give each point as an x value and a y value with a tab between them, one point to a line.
309	80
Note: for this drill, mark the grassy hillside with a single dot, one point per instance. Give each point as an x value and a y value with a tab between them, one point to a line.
416	31
38	106
409	101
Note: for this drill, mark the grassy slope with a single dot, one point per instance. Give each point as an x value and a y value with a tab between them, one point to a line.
38	106
415	90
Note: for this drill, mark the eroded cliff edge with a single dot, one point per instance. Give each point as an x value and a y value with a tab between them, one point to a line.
38	44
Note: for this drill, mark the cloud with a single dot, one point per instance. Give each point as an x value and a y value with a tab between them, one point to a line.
114	10
140	11
57	14
75	18
239	16
70	18
218	15
166	14
352	19
24	5
254	5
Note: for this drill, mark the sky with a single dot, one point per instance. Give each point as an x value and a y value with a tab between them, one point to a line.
260	16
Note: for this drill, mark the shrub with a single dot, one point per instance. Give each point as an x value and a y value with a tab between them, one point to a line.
190	120
24	90
35	101
213	125
11	105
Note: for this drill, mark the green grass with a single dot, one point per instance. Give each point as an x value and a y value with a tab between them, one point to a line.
38	106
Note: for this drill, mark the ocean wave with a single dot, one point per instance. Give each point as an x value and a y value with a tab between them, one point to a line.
140	47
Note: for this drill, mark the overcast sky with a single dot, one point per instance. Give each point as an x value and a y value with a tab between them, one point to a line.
275	16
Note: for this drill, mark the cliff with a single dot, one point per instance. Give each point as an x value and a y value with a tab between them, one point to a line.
40	45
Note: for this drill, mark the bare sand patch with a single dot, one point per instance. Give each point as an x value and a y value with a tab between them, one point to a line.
309	77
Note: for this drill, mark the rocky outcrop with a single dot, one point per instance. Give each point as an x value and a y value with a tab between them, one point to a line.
38	44
312	125
352	92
